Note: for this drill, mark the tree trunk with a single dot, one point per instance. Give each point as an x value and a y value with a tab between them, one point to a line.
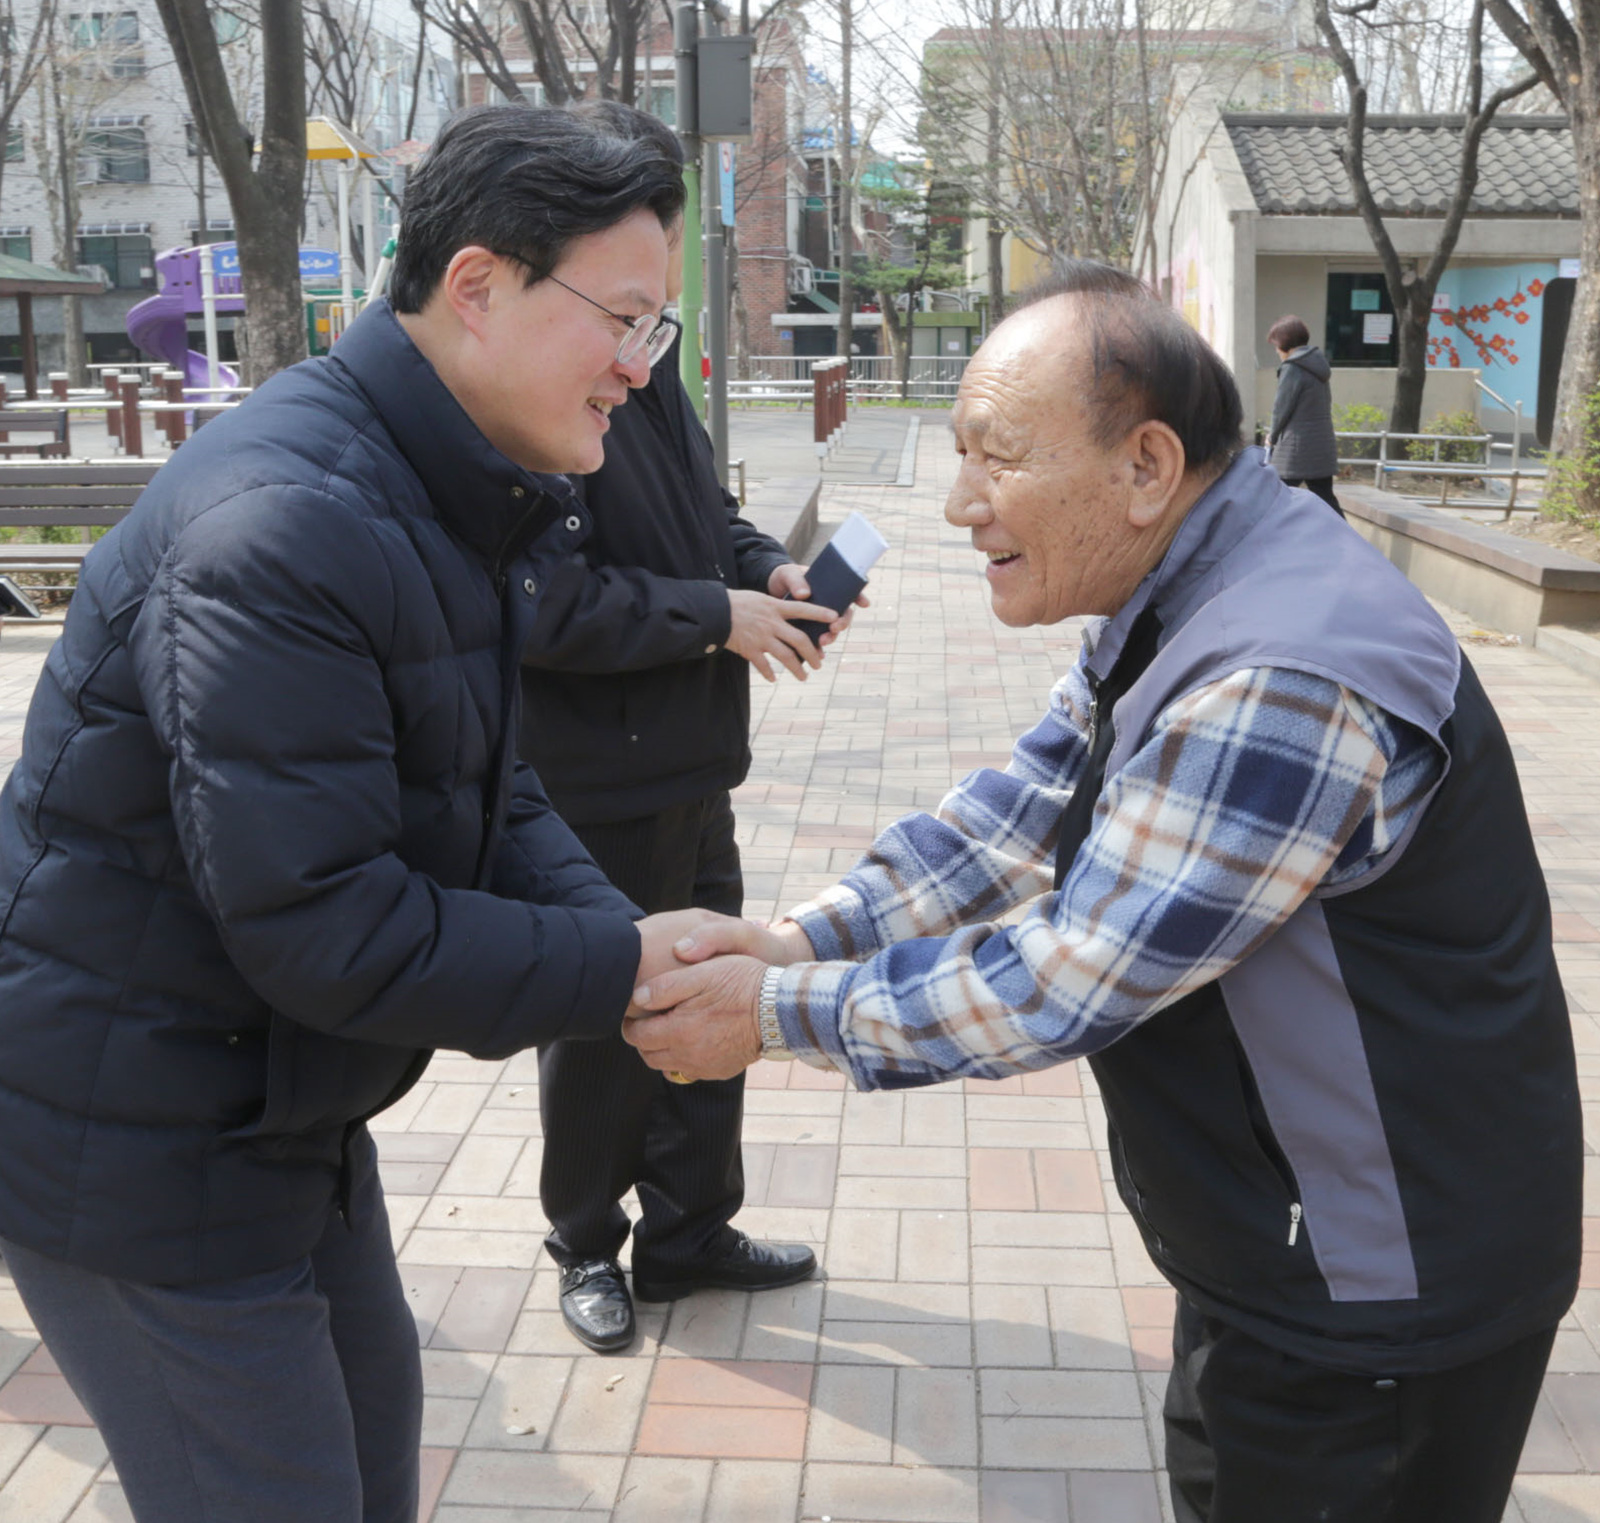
1580	363
997	274
266	200
74	347
1411	328
741	313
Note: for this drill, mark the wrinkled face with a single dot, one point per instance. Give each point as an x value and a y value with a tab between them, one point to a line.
548	372
1045	503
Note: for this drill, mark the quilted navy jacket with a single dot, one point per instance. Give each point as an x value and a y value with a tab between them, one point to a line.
267	844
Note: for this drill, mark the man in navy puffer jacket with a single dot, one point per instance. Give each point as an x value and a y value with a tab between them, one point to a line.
268	844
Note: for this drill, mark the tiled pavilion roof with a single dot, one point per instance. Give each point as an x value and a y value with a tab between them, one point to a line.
1526	164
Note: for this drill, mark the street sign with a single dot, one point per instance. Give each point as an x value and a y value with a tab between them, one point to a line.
725	181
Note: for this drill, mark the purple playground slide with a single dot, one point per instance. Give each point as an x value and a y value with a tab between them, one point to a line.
159	324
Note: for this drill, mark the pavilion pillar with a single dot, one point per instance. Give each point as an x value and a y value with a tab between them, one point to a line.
30	351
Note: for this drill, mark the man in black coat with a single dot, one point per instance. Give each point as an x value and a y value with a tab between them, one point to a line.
268	844
636	715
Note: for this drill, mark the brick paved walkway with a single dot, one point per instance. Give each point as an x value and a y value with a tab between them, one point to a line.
990	1339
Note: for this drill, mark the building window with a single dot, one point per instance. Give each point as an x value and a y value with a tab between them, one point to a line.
664	103
17	247
13	145
128	259
114	155
113	33
1360	325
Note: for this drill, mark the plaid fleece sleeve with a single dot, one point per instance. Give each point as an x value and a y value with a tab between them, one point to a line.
1248	794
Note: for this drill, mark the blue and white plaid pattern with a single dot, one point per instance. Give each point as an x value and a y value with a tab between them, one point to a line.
1248	794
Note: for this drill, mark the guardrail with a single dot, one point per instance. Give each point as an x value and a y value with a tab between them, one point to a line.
787	377
1444	470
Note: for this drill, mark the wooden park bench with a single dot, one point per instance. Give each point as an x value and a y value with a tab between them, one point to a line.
71	494
53	423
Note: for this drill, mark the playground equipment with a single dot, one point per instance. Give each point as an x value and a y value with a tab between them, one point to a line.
204	281
160	324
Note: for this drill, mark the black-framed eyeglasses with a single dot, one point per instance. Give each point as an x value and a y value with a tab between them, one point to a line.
648	335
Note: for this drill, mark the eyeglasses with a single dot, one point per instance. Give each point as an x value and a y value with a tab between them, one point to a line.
648	335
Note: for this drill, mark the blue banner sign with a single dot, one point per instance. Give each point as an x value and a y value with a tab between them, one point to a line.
317	266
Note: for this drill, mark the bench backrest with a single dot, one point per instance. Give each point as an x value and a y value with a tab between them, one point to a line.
15	422
89	493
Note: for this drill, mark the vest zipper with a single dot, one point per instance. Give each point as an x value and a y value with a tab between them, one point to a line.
1294	1222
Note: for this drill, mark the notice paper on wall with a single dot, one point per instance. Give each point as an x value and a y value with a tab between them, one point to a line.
1377	327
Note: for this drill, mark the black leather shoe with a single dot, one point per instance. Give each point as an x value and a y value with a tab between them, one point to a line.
745	1265
596	1305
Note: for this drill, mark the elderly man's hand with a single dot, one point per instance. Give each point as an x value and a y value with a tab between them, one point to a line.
777	945
659	935
708	1030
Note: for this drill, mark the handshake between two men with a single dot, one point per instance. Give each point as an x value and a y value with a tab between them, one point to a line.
694	1012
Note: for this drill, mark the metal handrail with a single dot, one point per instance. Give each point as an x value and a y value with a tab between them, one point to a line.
1516	412
1382	465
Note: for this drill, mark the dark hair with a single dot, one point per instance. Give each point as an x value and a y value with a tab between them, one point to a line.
630	124
1146	363
524	181
1288	333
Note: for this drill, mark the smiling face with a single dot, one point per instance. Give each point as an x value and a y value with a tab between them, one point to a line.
541	376
1045	502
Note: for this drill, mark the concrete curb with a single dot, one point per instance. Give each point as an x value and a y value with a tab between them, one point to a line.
786	508
1577	648
1516	585
906	476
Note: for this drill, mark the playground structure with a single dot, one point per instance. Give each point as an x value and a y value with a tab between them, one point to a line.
204	281
190	287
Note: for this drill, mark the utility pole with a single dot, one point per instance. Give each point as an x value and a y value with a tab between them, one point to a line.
847	183
716	287
686	75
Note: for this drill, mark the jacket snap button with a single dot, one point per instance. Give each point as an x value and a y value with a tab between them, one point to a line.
530	586
518	492
574	523
233	1039
634	739
711	650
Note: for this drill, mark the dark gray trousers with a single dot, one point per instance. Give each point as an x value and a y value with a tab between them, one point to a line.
612	1124
295	1394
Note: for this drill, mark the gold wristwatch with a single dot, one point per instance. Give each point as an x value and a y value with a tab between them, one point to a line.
772	1044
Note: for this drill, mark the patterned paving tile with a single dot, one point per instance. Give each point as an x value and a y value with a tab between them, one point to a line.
990	1339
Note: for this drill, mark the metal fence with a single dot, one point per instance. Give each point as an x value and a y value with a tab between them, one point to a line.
787	377
1374	451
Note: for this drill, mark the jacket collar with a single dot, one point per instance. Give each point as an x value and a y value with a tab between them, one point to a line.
479	495
1224	513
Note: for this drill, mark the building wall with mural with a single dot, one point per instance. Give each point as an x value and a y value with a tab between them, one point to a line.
1490	316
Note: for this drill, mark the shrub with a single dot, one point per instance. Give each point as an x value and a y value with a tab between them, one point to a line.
1359	418
1572	490
1462	424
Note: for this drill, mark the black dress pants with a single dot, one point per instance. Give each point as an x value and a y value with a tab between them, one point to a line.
1322	486
1259	1436
610	1122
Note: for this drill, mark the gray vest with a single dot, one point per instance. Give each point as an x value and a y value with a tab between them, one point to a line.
1363	1143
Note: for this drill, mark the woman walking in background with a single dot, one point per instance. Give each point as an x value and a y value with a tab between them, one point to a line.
1301	442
